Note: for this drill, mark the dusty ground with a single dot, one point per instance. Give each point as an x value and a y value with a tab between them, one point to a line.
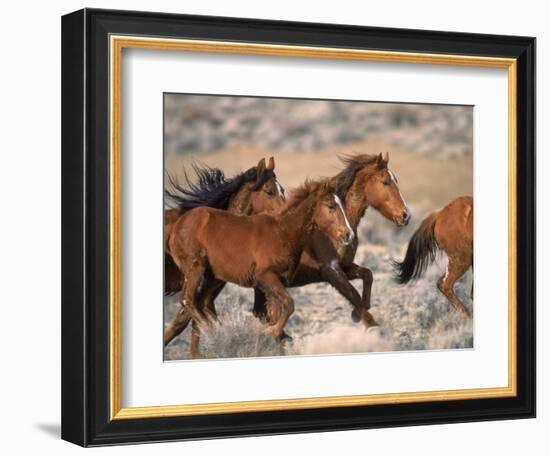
412	317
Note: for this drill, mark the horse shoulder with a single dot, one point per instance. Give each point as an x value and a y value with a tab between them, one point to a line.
320	248
190	224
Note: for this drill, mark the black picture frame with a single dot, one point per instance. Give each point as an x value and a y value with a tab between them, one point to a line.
85	228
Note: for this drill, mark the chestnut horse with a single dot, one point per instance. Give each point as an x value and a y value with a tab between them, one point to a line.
212	247
251	192
365	182
451	230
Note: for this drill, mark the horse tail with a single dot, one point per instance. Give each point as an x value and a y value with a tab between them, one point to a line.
421	252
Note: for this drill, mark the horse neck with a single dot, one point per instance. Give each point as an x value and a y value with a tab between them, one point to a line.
241	202
297	223
355	205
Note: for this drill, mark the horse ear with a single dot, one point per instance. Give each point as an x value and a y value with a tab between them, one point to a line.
271	164
386	157
380	161
260	168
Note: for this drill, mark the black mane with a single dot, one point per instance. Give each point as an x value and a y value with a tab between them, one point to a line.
212	189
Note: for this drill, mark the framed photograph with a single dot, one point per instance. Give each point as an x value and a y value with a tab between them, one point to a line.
268	227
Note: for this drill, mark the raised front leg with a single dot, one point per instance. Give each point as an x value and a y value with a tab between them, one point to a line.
334	274
359	272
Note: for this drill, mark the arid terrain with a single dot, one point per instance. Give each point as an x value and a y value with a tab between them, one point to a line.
430	152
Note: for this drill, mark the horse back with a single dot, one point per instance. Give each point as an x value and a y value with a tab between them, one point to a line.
237	247
454	226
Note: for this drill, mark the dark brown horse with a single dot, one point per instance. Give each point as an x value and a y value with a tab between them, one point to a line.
365	182
251	192
212	247
451	230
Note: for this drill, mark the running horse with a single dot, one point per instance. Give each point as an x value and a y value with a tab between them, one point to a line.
251	192
366	181
212	247
450	230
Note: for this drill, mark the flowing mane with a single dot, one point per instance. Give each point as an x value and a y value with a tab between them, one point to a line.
301	193
340	184
212	189
354	163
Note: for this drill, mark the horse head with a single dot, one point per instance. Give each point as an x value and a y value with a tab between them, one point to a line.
376	185
267	194
329	215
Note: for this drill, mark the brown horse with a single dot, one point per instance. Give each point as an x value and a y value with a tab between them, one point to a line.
451	230
212	247
251	192
365	182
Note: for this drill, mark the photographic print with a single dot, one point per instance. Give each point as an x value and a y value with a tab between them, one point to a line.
268	224
311	227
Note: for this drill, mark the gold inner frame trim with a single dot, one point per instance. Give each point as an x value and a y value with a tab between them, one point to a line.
117	44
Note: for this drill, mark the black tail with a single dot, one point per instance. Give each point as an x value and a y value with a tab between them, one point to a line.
212	189
420	253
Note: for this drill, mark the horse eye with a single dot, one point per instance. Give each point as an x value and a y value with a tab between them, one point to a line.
270	193
332	206
386	182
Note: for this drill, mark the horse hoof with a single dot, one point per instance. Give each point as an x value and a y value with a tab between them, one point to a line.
355	317
284	337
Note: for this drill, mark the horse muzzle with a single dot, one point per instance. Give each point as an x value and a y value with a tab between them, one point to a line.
404	218
347	238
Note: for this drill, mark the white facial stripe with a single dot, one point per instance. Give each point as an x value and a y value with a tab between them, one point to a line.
393	178
279	189
339	203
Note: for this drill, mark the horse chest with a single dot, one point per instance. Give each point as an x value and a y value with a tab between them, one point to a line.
345	254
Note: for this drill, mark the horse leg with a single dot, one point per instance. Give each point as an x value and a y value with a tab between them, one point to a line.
195	339
304	275
354	271
260	309
189	300
456	268
172	275
334	274
276	294
211	289
177	325
269	316
182	319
